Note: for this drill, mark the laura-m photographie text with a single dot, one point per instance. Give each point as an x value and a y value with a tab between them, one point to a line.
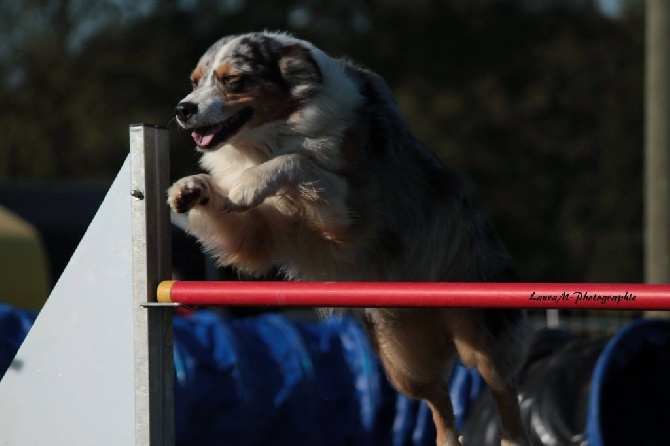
578	297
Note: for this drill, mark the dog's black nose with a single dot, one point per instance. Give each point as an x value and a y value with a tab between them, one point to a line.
185	110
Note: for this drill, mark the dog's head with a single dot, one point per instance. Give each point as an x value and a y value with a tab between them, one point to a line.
244	82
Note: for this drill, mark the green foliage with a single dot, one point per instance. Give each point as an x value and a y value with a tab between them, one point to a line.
541	108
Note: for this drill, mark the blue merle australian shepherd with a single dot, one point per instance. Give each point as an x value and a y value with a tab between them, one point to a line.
312	170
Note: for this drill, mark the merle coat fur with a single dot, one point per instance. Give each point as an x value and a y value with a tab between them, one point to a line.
311	169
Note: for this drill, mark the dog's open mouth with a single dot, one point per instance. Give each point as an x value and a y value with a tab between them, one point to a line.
212	135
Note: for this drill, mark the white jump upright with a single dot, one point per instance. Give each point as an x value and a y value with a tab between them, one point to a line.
152	262
81	376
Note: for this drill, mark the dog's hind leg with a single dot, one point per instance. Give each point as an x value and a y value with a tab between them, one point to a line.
476	351
505	395
495	341
438	399
417	356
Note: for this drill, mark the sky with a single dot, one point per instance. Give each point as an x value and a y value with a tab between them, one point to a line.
610	7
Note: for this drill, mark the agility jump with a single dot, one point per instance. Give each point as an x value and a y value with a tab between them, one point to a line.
574	296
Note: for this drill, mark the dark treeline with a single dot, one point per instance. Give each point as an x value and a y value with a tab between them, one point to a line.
541	107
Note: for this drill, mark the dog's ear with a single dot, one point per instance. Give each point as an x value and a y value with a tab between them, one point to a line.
297	65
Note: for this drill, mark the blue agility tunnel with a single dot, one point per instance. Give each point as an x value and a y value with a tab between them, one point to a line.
629	401
598	392
271	380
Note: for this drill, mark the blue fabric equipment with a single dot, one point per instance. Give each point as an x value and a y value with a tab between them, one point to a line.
269	380
589	391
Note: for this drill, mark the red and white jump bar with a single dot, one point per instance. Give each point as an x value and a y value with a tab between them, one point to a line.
575	296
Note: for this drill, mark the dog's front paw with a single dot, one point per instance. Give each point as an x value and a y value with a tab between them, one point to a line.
249	192
189	192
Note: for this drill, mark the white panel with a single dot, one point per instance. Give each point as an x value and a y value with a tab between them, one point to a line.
75	382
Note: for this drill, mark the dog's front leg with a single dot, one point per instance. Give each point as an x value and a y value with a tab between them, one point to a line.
324	191
264	180
242	239
192	191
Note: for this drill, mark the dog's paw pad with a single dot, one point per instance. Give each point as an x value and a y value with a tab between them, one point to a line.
186	199
186	193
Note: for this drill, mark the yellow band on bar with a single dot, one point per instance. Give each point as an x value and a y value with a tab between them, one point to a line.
163	293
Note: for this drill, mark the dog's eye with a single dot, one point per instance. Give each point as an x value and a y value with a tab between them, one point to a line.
234	84
194	83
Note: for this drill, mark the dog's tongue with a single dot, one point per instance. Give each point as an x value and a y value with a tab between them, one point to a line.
203	136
